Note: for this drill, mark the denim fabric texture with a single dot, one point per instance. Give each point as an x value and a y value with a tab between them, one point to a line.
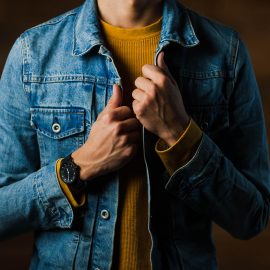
59	77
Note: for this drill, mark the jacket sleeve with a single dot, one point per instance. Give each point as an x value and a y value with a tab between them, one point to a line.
232	187
30	196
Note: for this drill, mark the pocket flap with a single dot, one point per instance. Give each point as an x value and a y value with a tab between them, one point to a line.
58	123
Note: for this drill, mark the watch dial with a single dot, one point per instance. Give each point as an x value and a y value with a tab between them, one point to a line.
68	173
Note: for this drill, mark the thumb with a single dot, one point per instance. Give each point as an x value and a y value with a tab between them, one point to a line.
116	99
161	63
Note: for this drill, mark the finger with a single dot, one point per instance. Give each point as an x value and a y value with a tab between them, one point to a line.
152	72
138	94
131	150
135	106
161	63
128	125
116	99
131	137
144	83
121	113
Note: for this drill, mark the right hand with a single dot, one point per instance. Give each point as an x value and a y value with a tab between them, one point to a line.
112	142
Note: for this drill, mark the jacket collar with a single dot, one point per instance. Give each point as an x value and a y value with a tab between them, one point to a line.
176	27
87	32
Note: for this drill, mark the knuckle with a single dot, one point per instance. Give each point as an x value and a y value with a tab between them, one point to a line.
113	115
107	118
153	92
134	104
103	118
163	80
133	94
117	129
144	68
123	112
127	110
124	140
152	88
137	80
129	151
148	101
139	111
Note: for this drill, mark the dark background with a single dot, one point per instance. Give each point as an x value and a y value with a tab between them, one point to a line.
251	18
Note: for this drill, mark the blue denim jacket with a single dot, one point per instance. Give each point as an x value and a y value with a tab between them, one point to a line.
61	73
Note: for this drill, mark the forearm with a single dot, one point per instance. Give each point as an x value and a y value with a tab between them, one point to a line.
211	185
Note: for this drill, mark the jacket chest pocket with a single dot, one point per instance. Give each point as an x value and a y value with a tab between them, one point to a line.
60	131
206	96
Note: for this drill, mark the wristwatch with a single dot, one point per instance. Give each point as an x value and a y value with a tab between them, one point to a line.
70	174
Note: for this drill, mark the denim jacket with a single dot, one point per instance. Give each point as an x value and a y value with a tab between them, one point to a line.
59	77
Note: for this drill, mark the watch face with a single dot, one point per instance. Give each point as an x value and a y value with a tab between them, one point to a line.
68	173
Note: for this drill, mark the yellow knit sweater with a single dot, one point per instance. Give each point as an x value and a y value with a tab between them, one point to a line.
131	49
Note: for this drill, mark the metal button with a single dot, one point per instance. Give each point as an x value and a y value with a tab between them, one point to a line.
105	214
204	125
56	128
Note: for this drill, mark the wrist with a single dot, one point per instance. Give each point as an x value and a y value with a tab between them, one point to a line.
87	169
173	134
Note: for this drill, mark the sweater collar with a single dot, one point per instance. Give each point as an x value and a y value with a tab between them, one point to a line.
127	34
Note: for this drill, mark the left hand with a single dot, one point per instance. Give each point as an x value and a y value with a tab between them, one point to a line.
158	102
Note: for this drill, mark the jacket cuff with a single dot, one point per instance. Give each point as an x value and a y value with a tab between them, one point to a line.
76	203
182	151
51	197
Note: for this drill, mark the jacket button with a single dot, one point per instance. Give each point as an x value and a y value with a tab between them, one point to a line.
56	128
204	125
105	214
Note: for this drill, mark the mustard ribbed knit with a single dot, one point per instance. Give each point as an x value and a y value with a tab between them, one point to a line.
132	48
